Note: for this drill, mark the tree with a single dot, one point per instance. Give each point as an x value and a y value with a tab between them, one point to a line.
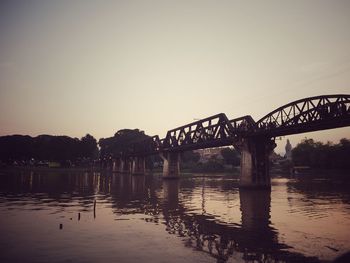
46	147
16	147
88	146
122	141
319	155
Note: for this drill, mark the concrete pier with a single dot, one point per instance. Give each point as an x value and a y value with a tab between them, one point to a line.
125	165
115	166
107	164
135	165
255	154
171	164
138	165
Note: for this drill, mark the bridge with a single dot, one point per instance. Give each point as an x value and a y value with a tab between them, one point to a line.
255	140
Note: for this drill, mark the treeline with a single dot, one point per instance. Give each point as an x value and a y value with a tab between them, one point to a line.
319	155
120	142
46	147
24	149
27	150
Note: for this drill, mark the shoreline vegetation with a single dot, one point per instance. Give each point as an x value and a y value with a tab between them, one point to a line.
63	153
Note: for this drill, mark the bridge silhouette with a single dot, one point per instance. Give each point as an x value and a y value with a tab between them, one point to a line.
255	140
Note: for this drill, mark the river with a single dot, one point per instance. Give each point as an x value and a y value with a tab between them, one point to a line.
105	217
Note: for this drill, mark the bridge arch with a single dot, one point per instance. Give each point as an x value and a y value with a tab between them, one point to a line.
305	115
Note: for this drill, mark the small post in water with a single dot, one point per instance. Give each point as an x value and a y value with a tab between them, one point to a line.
94	209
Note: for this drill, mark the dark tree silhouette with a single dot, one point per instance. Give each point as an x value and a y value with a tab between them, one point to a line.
46	147
319	155
89	146
120	142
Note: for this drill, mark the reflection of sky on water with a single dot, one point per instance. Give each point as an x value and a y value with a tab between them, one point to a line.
312	216
296	221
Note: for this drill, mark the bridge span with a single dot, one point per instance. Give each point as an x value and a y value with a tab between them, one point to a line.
255	140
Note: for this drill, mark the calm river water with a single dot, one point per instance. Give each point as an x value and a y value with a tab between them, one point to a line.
51	218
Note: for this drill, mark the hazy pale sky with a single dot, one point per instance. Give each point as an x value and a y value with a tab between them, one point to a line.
77	67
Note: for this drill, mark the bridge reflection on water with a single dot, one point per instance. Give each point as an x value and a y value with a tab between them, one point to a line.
209	215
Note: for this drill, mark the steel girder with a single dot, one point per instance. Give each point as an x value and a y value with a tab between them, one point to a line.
305	115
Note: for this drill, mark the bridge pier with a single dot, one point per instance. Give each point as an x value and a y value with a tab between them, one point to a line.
255	154
171	164
125	165
116	165
108	164
138	165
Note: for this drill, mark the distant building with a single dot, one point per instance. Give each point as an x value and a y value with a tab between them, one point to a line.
288	150
211	153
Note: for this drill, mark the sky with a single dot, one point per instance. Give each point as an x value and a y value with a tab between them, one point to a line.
77	67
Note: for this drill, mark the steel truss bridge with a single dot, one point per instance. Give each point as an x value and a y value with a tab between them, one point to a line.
304	115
